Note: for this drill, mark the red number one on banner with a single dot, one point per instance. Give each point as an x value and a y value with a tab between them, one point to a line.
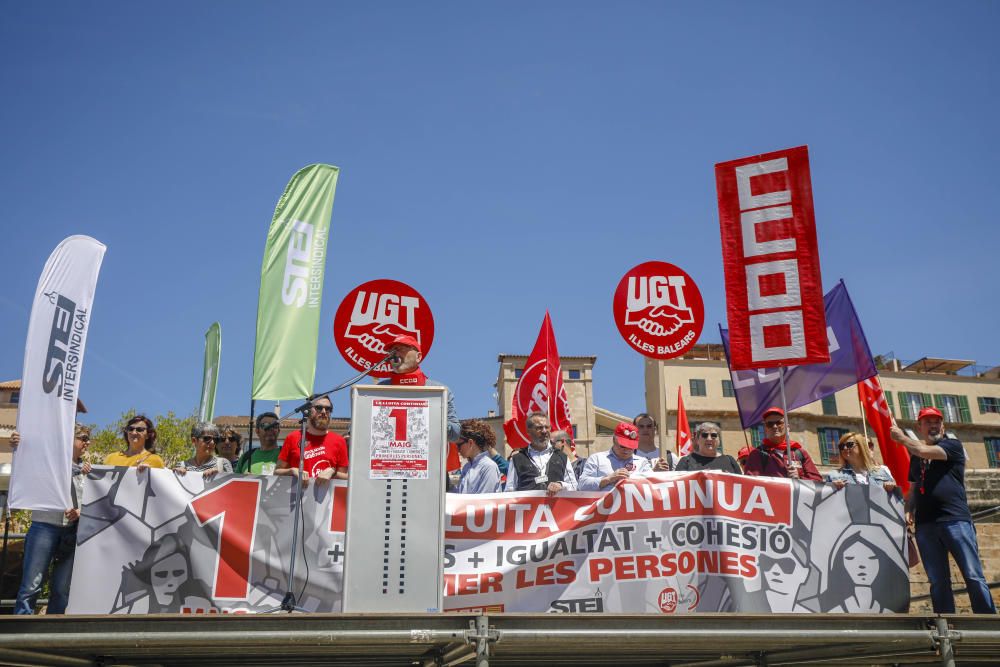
400	416
237	500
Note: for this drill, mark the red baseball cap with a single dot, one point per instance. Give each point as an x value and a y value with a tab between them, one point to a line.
404	339
627	435
773	410
930	412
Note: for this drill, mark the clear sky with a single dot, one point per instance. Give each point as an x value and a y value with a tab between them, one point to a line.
503	158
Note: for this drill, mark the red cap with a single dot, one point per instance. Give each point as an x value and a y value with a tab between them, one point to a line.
929	412
404	340
773	410
627	435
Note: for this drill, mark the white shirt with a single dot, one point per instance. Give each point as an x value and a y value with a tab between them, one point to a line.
541	461
654	455
602	464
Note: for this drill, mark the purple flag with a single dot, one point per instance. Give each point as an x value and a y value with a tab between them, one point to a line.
850	363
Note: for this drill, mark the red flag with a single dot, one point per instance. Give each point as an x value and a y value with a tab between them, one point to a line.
880	420
683	428
540	389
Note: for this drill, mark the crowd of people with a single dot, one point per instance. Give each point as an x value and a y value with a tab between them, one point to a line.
937	506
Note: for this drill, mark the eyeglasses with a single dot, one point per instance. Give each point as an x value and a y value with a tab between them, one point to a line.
83	438
774	424
270	427
210	439
562	439
846	445
709	435
229	438
136	429
323	408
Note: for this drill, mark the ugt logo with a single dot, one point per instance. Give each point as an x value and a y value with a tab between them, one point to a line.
658	310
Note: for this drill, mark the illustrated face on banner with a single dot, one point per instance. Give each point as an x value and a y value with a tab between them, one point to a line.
372	315
658	310
861	564
167	576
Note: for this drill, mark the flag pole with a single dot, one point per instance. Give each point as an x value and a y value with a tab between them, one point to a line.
788	422
861	405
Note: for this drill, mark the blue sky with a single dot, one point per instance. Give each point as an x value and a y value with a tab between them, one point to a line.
502	158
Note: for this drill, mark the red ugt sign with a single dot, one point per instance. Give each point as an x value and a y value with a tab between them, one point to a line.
774	293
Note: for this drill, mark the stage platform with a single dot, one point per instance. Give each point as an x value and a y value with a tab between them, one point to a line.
702	640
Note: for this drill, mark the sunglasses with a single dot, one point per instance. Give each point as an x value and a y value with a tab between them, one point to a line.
210	438
323	408
229	438
83	438
774	424
710	435
136	429
787	565
846	445
270	427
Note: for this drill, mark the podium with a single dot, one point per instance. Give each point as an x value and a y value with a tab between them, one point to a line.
394	551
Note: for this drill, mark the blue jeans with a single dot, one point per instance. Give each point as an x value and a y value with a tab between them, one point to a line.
936	541
46	544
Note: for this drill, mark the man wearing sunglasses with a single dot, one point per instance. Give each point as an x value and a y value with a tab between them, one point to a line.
604	470
325	451
772	458
264	459
940	509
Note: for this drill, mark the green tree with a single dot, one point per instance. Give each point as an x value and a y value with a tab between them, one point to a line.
173	438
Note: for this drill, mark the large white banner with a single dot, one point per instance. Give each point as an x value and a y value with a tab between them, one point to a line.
50	383
669	543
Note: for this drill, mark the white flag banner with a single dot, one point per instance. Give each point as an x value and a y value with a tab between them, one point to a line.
50	383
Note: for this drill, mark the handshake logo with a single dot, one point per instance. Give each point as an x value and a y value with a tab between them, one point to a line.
656	304
377	319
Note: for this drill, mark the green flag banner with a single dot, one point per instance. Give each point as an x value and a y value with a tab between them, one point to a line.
210	375
291	286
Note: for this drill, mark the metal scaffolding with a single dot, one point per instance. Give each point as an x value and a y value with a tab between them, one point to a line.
430	640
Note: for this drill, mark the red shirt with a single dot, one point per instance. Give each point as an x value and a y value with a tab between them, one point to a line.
322	452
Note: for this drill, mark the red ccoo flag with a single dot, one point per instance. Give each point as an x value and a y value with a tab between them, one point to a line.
683	428
540	389
880	419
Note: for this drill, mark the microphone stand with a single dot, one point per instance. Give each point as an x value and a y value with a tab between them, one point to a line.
288	603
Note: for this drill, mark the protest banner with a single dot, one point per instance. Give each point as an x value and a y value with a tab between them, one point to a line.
774	292
291	286
372	315
539	389
665	543
210	372
850	362
53	369
658	310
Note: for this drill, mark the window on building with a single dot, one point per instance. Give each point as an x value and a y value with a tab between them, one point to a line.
954	408
986	404
15	397
888	401
574	432
830	405
698	388
518	372
828	439
605	430
993	451
727	389
756	435
573	374
910	403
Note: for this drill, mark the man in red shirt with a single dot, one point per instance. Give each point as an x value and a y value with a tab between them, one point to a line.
771	459
325	452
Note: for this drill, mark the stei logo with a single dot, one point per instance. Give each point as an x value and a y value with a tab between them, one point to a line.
375	313
658	310
62	358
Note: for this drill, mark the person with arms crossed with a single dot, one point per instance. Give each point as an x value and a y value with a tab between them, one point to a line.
603	470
